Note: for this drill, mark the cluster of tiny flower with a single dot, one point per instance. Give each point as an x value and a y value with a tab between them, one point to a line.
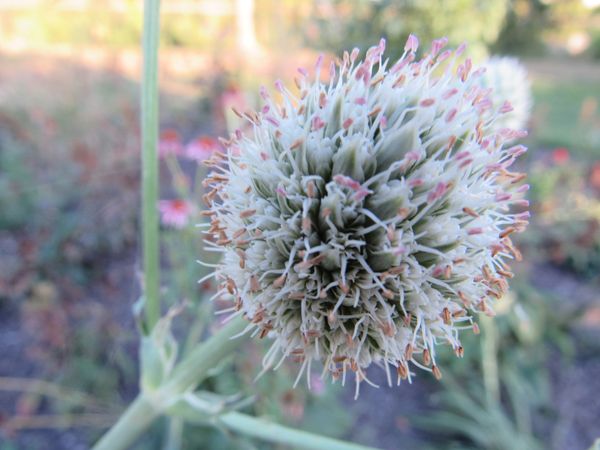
368	218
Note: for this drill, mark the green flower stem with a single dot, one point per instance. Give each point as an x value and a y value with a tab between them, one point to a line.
185	377
272	432
150	184
489	360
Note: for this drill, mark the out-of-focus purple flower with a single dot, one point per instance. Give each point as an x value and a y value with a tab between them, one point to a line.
169	143
175	213
201	148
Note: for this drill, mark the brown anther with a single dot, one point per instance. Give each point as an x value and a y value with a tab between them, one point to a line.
403	213
408	352
505	273
388	329
507	231
247	190
470	212
339	359
349	341
326	212
377	80
407	319
254	285
402	371
448	272
426	357
263	333
237	113
322	100
297	83
238	233
459	313
279	281
390	232
224	242
476	329
313	333
436	372
518	177
331	318
353	365
297	143
459	351
310	189
375	111
208	213
344	287
387	294
399	81
396	270
306	225
487	273
247	213
296	295
250	116
464	298
493	293
301	109
451	142
514	250
230	285
446	316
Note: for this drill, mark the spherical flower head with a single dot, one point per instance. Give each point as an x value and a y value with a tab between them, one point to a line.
511	91
368	218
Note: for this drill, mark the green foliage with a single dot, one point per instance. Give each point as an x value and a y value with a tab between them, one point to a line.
467	417
565	116
566	217
361	23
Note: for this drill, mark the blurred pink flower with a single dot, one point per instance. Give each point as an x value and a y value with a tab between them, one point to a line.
175	213
169	143
317	385
201	148
233	97
595	175
560	155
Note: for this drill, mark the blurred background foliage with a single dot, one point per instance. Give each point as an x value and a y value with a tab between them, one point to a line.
69	179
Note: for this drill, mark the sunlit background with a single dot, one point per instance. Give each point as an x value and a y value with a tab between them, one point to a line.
69	219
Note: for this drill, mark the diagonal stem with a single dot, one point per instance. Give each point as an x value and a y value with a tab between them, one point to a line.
185	376
273	432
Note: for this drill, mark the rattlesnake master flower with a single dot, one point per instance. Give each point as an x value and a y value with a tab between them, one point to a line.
507	78
367	219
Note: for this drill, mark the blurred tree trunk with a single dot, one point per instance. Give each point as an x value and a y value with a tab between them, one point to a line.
246	32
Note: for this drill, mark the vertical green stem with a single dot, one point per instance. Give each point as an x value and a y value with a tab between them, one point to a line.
150	185
489	360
